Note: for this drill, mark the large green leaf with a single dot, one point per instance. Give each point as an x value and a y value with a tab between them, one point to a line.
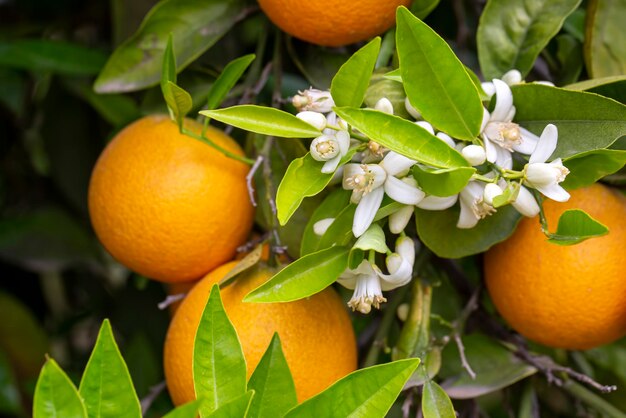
433	225
329	208
512	33
435	81
274	390
589	167
263	120
435	402
106	386
238	407
576	226
40	55
613	87
443	182
219	368
605	49
227	79
56	395
195	26
364	393
340	231
495	368
403	136
304	277
188	410
422	8
350	83
586	121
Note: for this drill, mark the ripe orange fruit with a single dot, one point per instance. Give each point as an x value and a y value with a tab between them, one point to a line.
332	22
316	333
570	297
166	205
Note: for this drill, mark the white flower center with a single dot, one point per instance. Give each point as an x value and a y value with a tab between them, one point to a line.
362	182
505	134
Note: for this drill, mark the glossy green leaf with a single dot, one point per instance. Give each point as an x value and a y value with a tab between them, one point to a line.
238	407
188	410
263	120
403	136
367	392
250	260
340	231
605	49
495	368
422	8
168	69
512	33
586	121
575	24
56	395
106	386
350	83
227	80
576	226
219	368
435	402
394	75
569	55
435	80
10	399
304	277
381	86
302	179
329	208
442	182
589	167
613	87
178	101
432	225
39	55
195	25
372	239
274	390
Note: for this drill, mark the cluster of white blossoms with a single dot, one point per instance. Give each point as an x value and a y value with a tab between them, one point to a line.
370	171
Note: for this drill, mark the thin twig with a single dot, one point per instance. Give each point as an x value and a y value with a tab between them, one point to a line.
250	178
170	300
248	246
459	325
464	363
149	399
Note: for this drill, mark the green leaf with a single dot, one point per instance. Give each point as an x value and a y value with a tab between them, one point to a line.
381	86
577	226
219	368
605	51
302	179
442	182
586	121
589	167
178	101
367	392
56	395
275	392
422	8
340	231
188	410
394	75
402	136
196	25
435	402
435	81
372	239
106	386
569	54
613	87
512	33
433	225
495	368
350	83
227	80
329	208
304	277
39	55
263	120
238	407
168	70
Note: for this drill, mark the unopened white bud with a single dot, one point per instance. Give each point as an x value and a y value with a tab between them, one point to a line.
446	138
426	126
512	77
313	118
400	219
491	191
474	154
324	148
526	203
403	311
412	111
320	227
384	105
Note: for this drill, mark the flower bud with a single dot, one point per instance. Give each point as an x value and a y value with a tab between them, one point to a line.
324	148
446	138
384	105
526	203
313	118
400	219
491	191
320	227
426	126
512	77
313	99
412	111
474	154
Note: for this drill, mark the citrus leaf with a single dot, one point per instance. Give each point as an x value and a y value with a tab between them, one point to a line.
432	225
304	277
178	101
586	121
435	81
442	182
275	392
367	392
372	239
263	120
219	368
576	226
302	179
613	87
188	410
56	395
512	33
227	80
195	25
435	402
39	55
589	167
340	231
168	69
250	260
402	136
106	386
329	208
605	51
238	407
350	83
422	8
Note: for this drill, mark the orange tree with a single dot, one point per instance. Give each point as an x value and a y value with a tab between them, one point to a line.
429	233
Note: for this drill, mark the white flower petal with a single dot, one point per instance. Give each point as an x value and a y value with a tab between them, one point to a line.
491	191
488	88
509	116
504	101
446	138
400	219
402	275
412	111
320	227
554	192
405	246
343	138
331	165
313	118
526	203
528	142
366	210
426	125
491	149
504	158
486	118
402	192
394	163
347	280
546	145
384	105
437	203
